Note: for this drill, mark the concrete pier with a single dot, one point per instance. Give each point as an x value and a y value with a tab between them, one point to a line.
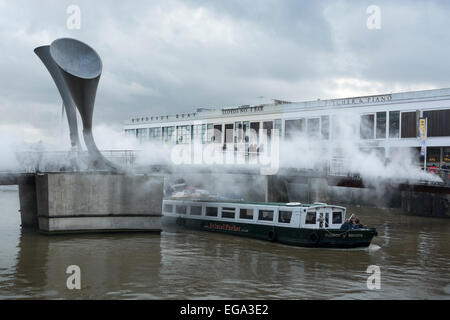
28	204
97	202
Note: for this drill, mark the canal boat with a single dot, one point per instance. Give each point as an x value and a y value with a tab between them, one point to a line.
294	223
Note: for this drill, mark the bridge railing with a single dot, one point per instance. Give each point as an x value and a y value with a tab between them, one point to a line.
32	161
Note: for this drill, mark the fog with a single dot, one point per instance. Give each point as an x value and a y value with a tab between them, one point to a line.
342	154
350	155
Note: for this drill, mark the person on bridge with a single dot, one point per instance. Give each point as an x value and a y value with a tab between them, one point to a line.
444	166
432	169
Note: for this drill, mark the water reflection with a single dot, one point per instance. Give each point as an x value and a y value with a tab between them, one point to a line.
412	252
111	265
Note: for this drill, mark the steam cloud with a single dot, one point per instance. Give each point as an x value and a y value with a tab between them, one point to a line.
301	152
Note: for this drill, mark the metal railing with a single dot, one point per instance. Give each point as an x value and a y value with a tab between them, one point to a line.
444	174
50	161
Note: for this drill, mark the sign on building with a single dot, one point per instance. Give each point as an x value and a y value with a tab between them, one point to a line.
423	135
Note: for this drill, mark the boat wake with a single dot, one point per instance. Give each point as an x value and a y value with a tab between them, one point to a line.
373	248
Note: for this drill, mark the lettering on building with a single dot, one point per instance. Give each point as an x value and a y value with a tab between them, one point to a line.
243	109
360	100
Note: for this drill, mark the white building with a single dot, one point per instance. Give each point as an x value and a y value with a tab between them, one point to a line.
385	122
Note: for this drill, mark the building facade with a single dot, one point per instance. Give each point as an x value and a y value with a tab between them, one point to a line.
382	123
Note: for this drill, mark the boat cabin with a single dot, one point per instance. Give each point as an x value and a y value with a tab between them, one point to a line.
293	215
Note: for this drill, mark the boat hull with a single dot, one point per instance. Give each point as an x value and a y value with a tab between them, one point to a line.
321	238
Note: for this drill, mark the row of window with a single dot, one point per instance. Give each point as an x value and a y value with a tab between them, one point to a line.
230	213
404	124
314	128
379	125
374	125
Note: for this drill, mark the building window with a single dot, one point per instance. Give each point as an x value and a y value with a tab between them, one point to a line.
325	128
184	134
394	124
229	131
438	123
446	156
265	215
217	137
277	125
246	214
409	125
367	126
204	136
294	128
433	156
167	133
168	208
285	216
130	132
238	132
245	128
267	129
155	134
211	211
200	133
381	125
210	132
228	213
314	127
254	132
142	134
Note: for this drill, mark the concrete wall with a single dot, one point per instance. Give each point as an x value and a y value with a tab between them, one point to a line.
426	204
28	205
79	202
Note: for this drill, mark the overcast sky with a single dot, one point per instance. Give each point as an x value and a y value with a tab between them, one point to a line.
168	56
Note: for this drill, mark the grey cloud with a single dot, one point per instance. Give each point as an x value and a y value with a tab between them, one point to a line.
164	57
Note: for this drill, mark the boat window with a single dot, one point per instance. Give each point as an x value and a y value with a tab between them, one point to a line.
337	217
168	208
196	211
228	213
246	214
310	218
181	209
211	211
285	216
266	215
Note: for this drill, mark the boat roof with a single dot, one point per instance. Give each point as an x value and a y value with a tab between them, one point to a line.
278	204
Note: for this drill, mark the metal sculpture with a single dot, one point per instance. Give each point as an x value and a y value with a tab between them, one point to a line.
78	70
43	53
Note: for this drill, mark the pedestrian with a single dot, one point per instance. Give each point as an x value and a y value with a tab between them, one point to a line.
432	169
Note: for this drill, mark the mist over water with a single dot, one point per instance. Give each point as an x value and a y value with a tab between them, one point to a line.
342	154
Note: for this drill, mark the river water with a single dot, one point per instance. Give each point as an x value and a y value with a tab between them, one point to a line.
413	255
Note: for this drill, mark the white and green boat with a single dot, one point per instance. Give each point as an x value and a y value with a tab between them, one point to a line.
306	225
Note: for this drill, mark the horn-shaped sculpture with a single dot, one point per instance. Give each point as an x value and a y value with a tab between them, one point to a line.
44	54
80	68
